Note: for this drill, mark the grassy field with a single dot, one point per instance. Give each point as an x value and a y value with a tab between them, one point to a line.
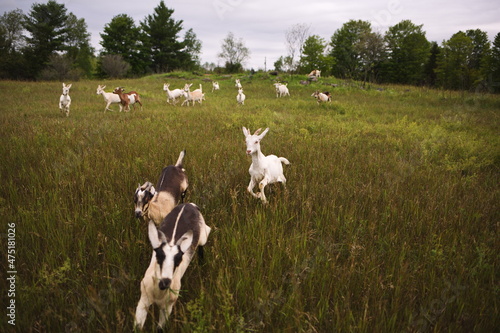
389	221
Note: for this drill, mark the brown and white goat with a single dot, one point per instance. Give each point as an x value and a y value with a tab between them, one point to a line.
174	243
155	203
322	96
127	99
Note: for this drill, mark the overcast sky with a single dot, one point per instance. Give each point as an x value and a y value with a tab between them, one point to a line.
262	24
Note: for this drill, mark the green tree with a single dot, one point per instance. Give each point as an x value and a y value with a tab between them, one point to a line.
46	24
122	37
371	50
11	45
234	52
192	46
348	62
160	37
313	55
453	70
493	63
77	44
431	65
408	52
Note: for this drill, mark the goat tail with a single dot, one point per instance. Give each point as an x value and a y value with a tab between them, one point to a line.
180	159
284	160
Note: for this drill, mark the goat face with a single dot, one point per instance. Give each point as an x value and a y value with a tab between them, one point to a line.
100	89
142	197
253	141
168	255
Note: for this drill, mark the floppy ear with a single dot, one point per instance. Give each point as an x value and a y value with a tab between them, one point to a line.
185	241
245	131
156	237
264	133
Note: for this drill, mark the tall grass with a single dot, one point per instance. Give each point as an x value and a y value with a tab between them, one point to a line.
389	221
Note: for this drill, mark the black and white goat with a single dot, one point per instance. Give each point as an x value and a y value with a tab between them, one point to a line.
174	244
155	203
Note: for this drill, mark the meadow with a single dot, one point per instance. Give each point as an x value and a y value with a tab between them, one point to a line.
389	221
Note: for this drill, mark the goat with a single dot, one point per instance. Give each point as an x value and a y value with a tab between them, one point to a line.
193	96
109	98
215	86
65	100
264	169
322	96
315	73
127	99
172	95
155	203
281	89
237	84
174	243
240	98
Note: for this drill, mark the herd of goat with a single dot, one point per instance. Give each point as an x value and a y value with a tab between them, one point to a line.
176	230
127	99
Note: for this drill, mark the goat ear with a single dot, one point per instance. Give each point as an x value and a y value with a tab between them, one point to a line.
257	131
185	241
264	133
153	234
152	190
245	131
69	85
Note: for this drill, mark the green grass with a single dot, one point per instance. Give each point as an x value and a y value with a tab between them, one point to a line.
389	221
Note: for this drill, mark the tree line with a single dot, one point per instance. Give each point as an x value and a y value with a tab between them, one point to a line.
468	60
51	44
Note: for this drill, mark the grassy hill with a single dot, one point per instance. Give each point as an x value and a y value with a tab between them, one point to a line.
389	221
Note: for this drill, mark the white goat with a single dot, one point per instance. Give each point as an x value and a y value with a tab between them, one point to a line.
237	84
182	231
281	89
264	169
322	96
172	95
65	100
193	96
155	204
215	86
240	98
109	98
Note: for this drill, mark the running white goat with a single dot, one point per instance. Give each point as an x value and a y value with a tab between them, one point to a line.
155	204
240	98
264	169
182	231
215	86
172	95
109	98
65	100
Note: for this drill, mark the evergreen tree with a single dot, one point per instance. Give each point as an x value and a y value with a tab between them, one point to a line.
46	24
122	37
160	37
431	65
494	65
